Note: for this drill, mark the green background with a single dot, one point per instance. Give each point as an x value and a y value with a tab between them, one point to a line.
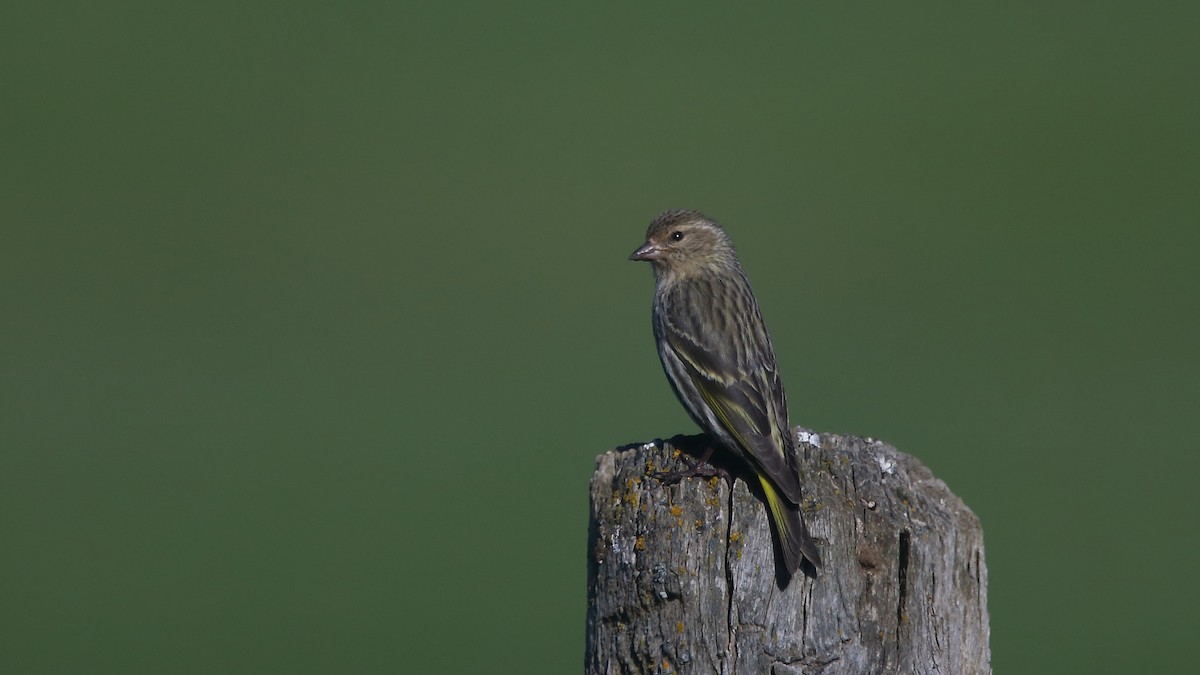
316	315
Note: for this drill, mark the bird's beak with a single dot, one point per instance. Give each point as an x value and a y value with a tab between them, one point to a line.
648	251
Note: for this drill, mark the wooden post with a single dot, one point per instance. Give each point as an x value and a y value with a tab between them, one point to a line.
682	577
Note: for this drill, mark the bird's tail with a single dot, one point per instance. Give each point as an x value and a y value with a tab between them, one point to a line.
794	540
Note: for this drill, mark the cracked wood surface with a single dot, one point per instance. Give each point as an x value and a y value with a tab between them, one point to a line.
681	578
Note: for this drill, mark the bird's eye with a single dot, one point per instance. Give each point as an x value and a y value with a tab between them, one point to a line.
676	235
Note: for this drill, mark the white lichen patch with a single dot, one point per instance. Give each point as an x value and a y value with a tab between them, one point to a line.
625	549
809	438
886	465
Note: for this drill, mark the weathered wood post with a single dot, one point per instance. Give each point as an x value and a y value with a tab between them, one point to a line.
681	578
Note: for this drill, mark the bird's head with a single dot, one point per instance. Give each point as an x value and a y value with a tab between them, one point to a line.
680	242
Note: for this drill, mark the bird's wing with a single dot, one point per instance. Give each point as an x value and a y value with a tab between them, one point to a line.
742	388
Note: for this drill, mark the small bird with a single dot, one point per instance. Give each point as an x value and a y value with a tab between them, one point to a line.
718	358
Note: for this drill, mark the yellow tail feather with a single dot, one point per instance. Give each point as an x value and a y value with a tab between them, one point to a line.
794	539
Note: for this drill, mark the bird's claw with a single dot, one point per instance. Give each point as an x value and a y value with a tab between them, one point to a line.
699	467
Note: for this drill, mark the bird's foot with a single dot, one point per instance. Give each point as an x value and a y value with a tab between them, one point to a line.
696	467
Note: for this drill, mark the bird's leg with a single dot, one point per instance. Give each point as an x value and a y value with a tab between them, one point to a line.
696	467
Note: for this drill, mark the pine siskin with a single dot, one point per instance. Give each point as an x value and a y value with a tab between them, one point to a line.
718	359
